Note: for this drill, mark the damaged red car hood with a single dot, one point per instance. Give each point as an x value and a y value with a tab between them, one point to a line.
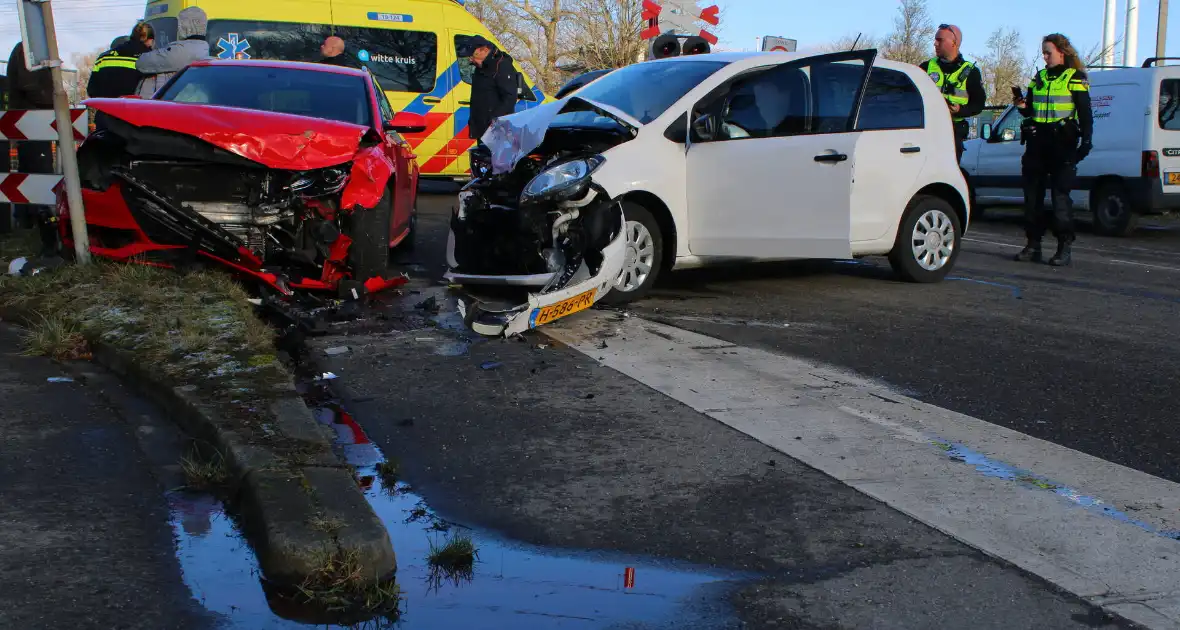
282	141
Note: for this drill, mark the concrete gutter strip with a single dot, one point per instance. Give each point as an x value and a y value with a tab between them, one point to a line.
285	504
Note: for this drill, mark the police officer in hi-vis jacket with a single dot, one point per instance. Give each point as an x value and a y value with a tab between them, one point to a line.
1059	127
960	81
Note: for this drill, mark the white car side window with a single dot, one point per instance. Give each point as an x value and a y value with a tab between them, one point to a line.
788	100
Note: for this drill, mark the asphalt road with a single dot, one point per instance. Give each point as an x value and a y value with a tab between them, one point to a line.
1086	356
85	540
538	443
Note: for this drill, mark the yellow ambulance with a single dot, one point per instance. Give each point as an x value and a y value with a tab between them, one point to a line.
409	45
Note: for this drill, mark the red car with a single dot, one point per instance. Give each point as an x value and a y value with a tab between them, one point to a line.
294	174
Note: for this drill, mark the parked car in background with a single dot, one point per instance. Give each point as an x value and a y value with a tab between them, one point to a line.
293	174
1134	167
690	161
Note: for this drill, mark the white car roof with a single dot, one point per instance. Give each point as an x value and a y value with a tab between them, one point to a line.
746	59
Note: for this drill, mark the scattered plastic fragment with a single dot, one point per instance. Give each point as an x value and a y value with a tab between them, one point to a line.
15	267
338	350
326	376
60	379
490	365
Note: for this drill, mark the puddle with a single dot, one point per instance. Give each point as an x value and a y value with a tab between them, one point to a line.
512	585
993	468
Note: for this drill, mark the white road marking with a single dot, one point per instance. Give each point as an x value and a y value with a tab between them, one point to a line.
980	240
1093	528
1139	264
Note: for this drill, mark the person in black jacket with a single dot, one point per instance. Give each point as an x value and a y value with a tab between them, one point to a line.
493	85
114	72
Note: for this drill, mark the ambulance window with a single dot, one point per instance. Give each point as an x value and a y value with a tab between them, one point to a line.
1169	110
266	40
404	61
891	101
165	29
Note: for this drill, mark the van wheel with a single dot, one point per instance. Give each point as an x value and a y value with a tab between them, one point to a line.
928	239
644	256
1113	213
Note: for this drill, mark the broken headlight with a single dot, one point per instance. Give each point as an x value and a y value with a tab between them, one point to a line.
562	182
325	181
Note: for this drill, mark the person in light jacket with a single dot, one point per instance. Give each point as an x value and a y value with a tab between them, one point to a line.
190	45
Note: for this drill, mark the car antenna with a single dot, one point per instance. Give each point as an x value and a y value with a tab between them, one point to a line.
856	41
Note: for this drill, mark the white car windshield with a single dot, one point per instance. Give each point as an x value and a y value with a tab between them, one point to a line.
647	90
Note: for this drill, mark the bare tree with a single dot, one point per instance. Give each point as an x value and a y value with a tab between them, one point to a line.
1004	65
535	32
76	82
1093	55
913	33
606	33
852	42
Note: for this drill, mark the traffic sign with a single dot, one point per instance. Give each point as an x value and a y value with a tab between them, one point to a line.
34	37
39	125
771	43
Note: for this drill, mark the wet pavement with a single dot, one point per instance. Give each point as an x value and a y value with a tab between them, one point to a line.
540	445
84	537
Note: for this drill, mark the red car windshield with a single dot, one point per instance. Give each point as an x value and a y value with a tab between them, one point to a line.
326	95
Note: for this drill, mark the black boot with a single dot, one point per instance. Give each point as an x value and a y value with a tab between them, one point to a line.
1030	253
1063	255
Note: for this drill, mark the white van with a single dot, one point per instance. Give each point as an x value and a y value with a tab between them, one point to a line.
1133	169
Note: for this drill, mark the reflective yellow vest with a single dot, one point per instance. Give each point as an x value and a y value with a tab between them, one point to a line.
956	79
1052	100
113	60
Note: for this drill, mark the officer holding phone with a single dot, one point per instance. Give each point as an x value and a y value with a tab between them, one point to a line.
1059	127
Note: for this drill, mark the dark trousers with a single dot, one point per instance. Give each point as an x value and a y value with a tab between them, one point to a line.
1050	159
962	130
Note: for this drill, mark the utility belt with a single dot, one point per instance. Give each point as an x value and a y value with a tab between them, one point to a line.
1035	130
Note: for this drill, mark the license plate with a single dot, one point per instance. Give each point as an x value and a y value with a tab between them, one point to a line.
569	306
1174	178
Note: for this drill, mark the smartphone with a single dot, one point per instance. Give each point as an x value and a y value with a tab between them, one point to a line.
1017	94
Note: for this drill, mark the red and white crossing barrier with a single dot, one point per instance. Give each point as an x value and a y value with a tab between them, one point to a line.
29	188
40	125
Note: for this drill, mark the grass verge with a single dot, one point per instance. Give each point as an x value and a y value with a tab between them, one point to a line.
205	472
191	329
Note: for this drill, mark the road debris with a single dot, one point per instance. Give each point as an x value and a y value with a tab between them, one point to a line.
59	379
337	351
490	365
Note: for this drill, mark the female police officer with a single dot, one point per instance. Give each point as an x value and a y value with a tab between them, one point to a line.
1058	107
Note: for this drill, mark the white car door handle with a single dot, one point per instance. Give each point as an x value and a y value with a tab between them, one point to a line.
831	157
911	149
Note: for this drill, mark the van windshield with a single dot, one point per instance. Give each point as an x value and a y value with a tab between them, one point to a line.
647	90
403	60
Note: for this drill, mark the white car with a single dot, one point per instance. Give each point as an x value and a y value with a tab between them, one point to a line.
1134	167
702	159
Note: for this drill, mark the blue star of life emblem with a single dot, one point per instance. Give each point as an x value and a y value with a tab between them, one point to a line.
233	47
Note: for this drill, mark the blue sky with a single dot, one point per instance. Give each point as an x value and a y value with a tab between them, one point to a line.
814	23
85	25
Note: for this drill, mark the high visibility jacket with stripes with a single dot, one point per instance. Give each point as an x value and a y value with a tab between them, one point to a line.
957	80
1052	100
114	72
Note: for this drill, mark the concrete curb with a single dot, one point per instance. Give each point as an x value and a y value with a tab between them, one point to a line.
295	513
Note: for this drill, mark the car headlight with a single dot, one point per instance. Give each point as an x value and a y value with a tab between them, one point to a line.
564	181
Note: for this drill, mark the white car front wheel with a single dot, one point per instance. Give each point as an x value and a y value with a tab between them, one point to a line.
928	240
643	259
